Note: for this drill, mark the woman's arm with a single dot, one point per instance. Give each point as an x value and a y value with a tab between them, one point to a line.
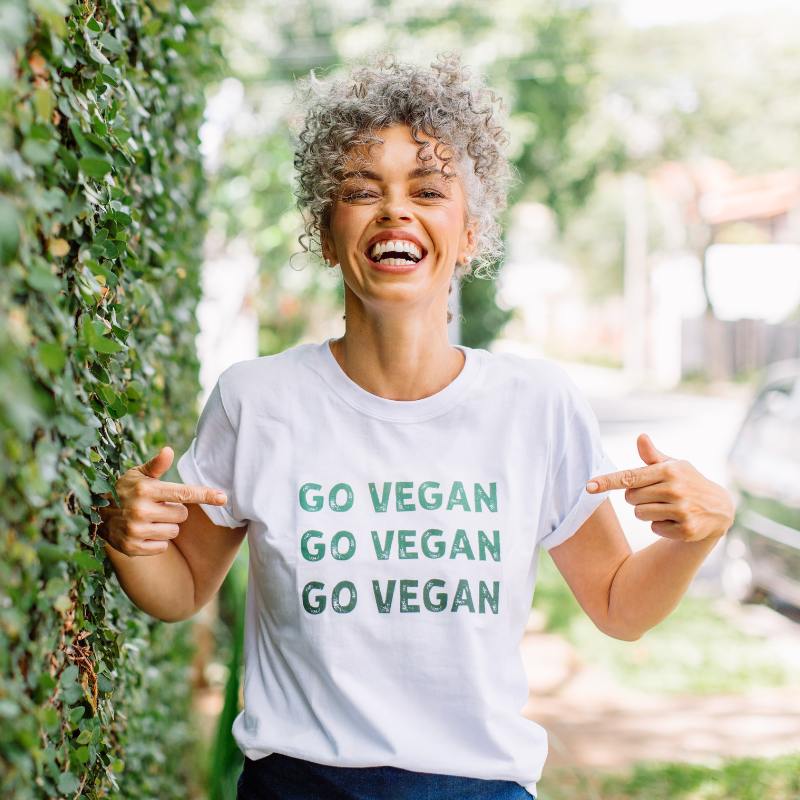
627	593
209	550
159	575
690	512
651	582
160	585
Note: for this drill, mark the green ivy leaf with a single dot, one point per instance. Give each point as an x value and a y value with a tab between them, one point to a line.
68	783
82	754
38	152
92	331
9	230
44	101
86	561
85	736
51	356
95	53
95	167
111	43
40	277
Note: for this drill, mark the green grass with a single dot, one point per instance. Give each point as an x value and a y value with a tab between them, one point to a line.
694	650
735	779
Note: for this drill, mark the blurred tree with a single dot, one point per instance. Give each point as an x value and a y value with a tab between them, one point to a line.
722	89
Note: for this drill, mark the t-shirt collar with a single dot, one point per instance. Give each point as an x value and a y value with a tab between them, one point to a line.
397	410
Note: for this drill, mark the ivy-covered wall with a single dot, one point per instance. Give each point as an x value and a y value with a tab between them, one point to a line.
101	223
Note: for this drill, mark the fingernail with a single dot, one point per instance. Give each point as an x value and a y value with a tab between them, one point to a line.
591	486
221	497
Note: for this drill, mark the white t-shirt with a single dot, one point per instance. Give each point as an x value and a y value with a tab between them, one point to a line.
393	547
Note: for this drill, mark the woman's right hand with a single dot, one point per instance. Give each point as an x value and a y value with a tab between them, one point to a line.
152	509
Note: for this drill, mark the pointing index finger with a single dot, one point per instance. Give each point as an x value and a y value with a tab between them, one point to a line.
189	493
622	479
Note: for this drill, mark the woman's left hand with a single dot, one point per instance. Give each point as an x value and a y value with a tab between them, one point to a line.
679	501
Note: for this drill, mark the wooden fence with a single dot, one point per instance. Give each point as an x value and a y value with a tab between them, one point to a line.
724	349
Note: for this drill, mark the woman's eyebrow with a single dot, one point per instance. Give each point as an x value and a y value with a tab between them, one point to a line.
419	172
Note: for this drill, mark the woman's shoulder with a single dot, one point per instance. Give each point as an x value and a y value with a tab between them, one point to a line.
283	361
538	374
262	378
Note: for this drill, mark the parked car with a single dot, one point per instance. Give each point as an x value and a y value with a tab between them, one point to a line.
761	556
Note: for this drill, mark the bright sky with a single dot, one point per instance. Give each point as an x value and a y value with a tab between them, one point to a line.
657	12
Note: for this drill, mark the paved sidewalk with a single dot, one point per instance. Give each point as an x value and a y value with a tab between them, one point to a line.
594	722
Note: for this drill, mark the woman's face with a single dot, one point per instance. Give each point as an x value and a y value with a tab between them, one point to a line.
395	192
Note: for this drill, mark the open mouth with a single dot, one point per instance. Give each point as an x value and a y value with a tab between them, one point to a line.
396	258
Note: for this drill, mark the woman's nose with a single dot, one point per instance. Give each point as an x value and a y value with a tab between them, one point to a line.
393	208
394	212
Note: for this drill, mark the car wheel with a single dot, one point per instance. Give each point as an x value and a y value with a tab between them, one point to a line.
736	576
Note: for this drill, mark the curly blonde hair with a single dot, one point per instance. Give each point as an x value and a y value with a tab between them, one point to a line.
465	117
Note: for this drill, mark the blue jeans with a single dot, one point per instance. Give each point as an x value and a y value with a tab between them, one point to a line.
281	777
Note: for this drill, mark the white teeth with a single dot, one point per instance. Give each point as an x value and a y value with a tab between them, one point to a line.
396	245
396	262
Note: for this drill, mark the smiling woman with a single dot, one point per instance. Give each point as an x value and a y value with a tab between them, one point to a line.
396	487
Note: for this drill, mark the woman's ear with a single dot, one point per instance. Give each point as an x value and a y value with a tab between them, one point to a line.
471	236
328	252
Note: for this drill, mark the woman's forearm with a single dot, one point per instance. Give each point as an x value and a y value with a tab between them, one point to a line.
160	585
651	582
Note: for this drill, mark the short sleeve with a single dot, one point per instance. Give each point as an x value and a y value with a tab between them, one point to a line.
568	504
210	459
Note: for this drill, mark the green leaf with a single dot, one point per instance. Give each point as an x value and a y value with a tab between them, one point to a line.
67	159
48	716
82	754
111	43
86	561
44	101
51	356
95	167
40	277
9	230
100	485
93	334
37	152
84	737
95	53
103	345
68	783
46	682
107	393
86	147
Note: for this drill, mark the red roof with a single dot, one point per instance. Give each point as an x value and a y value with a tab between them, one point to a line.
711	189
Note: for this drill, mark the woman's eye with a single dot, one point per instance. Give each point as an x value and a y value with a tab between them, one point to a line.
431	193
356	195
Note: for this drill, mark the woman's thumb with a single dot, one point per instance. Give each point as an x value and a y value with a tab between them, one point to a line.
159	463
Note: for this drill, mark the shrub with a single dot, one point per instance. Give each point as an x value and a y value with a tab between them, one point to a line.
101	223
